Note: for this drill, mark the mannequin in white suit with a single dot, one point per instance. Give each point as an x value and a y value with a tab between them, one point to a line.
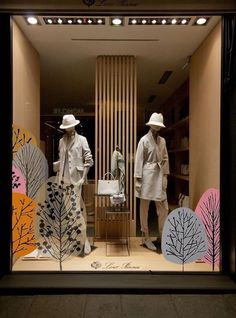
151	170
75	159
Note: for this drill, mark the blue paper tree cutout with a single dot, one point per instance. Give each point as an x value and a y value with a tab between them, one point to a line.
183	238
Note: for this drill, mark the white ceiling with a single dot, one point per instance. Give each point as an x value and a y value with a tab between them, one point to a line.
68	66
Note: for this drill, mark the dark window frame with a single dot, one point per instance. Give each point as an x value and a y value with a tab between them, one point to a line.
128	282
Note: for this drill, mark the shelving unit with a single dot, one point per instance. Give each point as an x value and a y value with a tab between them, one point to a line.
176	118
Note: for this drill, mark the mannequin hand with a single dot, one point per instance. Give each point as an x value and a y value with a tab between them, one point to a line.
80	182
138	185
164	181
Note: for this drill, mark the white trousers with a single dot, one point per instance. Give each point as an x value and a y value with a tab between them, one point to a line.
161	210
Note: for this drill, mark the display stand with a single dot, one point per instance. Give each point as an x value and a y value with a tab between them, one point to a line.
117	226
122	215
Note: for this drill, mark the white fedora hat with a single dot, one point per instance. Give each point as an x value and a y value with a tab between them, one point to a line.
69	121
156	120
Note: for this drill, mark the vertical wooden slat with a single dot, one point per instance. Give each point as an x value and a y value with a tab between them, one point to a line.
123	107
96	139
112	102
131	129
119	101
107	136
115	98
100	121
127	128
135	132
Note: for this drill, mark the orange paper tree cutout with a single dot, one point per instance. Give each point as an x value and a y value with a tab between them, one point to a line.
23	217
20	137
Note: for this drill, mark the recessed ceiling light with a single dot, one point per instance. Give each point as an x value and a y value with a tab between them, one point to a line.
100	21
163	21
144	21
154	21
173	21
69	21
90	21
184	21
116	21
134	21
201	21
32	20
49	21
79	21
59	21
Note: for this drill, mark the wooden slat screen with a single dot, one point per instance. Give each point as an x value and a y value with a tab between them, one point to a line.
116	104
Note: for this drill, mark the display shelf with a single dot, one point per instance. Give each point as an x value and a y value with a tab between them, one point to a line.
180	123
176	117
178	150
179	176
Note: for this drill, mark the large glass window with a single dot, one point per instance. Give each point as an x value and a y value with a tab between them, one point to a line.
116	144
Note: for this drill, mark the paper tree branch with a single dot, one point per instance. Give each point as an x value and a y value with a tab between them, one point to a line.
20	137
60	223
23	217
208	210
183	239
32	163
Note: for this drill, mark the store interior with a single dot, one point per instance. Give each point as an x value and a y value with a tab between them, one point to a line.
178	69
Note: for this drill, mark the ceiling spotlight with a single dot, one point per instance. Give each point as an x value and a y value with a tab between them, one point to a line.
32	20
154	21
90	21
70	21
163	21
59	21
99	21
184	21
144	21
116	21
201	21
79	21
173	21
49	21
134	21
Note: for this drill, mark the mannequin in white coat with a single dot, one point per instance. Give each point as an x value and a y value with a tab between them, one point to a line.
151	170
75	160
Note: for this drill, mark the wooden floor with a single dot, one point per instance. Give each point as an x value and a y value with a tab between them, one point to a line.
113	258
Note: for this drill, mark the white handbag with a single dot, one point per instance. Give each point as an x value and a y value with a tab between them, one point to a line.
108	187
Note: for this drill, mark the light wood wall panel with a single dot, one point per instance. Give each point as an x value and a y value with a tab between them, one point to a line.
204	141
116	104
26	83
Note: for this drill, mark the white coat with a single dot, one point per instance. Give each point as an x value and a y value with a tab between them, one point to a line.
151	163
73	157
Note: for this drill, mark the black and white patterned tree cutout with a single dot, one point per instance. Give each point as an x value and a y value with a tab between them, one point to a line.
34	167
60	225
208	210
183	239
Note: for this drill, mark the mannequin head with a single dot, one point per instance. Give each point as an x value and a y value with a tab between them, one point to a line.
155	128
70	131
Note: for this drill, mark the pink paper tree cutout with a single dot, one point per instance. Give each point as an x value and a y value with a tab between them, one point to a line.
208	210
18	181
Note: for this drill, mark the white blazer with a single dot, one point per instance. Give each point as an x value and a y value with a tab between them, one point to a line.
73	157
151	163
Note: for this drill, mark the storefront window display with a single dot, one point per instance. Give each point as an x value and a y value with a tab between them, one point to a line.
165	154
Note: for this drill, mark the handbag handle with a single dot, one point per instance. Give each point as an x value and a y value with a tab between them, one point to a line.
110	174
